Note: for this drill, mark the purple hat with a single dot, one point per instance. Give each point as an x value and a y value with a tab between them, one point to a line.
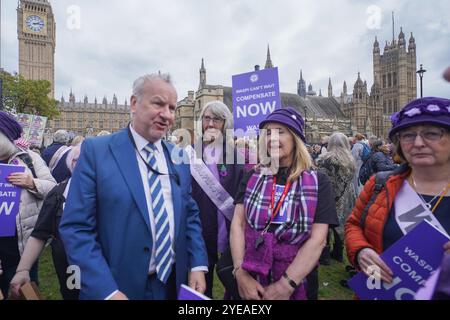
430	110
9	126
289	117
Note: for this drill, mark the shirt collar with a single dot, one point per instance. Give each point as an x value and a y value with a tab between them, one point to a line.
141	142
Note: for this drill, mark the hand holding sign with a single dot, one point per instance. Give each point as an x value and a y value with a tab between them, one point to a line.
368	258
22	179
446	248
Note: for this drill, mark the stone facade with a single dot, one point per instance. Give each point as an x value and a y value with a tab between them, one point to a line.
394	74
87	119
36	31
323	114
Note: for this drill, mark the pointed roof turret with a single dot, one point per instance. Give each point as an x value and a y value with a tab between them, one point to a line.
202	67
330	88
376	46
71	96
301	86
202	82
412	43
268	59
114	100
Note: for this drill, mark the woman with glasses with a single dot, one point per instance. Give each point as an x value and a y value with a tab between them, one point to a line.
421	135
215	181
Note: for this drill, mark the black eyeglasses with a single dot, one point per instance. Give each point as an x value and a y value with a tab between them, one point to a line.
429	135
215	120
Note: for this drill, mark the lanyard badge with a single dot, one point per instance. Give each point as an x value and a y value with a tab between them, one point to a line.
274	212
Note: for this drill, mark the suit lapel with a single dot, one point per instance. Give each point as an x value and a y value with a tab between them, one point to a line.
176	191
125	156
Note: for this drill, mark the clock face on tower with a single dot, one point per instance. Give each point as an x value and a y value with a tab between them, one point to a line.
35	23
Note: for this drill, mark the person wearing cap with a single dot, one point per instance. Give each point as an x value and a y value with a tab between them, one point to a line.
35	187
420	132
283	210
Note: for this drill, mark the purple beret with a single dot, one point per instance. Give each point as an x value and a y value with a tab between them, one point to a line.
9	126
289	117
429	110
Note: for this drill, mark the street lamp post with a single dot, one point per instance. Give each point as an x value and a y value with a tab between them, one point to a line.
421	71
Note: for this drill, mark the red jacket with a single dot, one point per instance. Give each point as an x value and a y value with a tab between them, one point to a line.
356	238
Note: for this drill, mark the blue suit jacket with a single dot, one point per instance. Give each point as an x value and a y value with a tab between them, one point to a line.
105	226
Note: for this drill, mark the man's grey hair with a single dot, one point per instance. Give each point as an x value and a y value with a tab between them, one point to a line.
61	136
139	83
220	110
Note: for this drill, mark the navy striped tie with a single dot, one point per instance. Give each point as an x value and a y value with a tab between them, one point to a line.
164	252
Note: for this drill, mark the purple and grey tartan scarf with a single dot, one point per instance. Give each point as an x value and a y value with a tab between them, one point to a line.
302	198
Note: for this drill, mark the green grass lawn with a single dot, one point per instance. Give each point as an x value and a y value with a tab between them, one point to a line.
329	277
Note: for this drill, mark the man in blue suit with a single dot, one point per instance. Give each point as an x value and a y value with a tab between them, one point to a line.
130	223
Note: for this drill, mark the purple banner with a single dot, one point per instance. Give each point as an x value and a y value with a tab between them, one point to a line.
412	259
9	200
187	293
255	95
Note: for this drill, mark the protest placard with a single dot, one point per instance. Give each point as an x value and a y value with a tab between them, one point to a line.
9	200
33	127
412	259
255	95
187	293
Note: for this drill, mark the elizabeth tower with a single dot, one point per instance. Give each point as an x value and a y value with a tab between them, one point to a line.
36	33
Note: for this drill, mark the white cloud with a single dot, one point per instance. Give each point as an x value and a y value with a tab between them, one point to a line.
119	41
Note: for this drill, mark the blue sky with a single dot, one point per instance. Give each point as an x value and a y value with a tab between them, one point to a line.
101	51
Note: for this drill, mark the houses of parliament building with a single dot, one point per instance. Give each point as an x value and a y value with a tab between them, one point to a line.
362	110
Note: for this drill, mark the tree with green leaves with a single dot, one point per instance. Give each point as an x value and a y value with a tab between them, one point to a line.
28	96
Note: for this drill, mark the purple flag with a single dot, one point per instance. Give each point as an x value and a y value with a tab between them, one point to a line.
255	95
412	259
187	293
9	200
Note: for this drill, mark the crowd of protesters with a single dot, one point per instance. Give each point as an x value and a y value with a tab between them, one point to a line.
266	228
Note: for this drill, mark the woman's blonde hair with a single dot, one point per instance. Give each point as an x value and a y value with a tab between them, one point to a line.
301	159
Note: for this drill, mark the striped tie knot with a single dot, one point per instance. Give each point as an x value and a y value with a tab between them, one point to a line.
150	148
151	160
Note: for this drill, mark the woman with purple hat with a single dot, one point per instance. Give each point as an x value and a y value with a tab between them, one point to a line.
35	182
283	210
421	134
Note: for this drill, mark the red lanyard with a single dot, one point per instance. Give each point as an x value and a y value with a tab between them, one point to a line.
280	202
